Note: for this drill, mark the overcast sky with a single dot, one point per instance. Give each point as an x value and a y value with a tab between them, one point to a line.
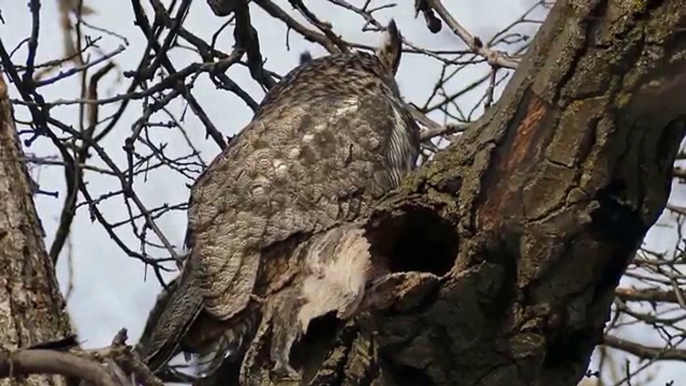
111	290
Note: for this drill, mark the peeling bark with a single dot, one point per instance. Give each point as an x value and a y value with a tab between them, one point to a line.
32	309
538	208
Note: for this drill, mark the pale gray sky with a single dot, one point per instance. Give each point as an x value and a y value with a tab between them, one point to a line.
110	290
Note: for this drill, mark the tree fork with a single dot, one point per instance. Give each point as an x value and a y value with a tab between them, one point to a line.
509	245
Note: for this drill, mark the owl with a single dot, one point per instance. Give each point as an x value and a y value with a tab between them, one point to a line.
269	234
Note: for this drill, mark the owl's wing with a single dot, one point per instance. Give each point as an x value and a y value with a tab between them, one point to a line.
318	152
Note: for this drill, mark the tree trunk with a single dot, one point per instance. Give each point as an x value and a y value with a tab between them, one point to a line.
508	246
32	309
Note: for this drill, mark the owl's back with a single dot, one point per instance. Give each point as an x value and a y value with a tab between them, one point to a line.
326	141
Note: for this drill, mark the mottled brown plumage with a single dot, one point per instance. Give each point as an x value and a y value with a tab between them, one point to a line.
267	231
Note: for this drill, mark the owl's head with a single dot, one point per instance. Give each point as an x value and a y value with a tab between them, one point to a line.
339	75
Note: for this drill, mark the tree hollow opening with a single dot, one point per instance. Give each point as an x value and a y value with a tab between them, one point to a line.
418	240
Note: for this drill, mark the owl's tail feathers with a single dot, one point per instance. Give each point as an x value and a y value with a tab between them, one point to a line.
172	316
228	346
390	50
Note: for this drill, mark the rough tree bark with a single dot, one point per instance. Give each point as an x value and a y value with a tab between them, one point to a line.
507	247
32	309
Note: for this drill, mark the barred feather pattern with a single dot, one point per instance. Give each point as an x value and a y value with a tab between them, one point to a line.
232	342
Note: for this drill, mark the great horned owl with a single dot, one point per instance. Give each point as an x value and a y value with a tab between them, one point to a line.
267	220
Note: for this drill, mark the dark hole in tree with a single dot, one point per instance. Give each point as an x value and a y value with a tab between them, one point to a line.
616	223
418	240
570	347
410	376
310	351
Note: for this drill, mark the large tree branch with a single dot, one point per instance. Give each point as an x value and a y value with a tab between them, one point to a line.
645	352
507	247
27	362
647	295
31	307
